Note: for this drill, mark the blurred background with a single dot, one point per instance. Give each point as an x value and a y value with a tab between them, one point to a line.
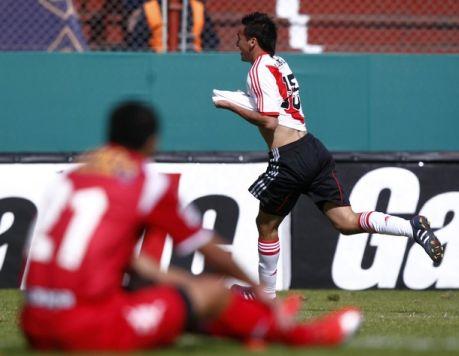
309	26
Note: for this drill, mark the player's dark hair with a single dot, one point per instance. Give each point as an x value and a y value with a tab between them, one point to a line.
263	28
131	123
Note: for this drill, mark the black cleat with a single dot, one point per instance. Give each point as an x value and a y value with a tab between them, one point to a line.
425	237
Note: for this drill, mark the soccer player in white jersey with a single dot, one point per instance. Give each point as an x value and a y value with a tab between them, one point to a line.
299	163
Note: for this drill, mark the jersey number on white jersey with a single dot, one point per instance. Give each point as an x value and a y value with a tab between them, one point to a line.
293	97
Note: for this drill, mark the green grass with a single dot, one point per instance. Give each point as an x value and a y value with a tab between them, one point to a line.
396	323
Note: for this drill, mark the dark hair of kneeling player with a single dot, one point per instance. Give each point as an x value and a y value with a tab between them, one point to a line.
131	124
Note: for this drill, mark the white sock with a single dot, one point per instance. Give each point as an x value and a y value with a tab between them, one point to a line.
268	254
374	221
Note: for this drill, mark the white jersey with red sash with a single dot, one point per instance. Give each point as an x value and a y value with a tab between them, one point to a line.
276	91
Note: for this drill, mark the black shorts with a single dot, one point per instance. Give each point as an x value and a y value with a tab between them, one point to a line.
301	167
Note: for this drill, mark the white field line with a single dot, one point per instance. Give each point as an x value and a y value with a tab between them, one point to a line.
406	343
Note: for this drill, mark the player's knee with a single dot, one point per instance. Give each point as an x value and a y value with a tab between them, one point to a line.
266	230
347	225
216	296
345	230
208	296
259	221
266	233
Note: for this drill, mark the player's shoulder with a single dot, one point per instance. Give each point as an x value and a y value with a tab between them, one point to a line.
153	175
274	60
264	65
272	64
112	161
155	186
266	60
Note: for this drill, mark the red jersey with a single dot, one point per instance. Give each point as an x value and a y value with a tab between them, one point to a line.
92	221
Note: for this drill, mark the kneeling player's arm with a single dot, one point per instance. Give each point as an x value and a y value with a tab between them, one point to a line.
148	268
222	261
184	226
254	117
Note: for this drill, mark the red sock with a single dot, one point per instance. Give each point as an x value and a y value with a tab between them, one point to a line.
245	319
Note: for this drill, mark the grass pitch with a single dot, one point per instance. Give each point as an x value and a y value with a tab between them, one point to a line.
396	323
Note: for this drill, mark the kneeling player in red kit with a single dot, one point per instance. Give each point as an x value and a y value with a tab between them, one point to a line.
85	241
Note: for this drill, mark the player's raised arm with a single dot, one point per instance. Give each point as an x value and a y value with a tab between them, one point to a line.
254	117
148	268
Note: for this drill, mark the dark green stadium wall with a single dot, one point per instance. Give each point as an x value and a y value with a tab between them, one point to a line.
57	102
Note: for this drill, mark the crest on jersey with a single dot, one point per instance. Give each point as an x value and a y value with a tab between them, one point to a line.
145	318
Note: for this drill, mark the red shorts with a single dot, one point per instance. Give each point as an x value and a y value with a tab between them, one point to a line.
126	321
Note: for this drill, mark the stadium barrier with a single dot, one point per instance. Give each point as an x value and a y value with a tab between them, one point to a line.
313	255
351	102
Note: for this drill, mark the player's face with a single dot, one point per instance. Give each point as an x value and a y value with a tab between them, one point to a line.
244	45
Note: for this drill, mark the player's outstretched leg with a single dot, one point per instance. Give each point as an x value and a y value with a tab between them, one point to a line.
417	228
252	320
424	236
347	222
330	330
